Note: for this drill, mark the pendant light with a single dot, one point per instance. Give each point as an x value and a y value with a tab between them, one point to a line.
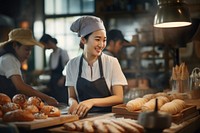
172	13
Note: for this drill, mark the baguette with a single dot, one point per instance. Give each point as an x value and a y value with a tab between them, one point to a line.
88	127
70	126
111	128
126	126
79	125
114	124
101	128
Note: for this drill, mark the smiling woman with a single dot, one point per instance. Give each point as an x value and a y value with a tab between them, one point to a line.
96	83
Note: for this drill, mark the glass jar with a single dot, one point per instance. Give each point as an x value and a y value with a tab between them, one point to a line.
181	86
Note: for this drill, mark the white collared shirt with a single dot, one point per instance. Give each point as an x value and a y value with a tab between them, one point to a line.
111	70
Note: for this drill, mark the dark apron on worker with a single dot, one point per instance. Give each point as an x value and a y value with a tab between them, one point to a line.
58	92
93	89
7	87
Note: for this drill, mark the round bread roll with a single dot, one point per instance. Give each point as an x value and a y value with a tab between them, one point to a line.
10	107
18	115
150	105
32	108
35	101
20	99
40	115
51	111
4	99
136	104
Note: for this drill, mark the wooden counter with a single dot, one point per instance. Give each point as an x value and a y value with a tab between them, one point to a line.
189	126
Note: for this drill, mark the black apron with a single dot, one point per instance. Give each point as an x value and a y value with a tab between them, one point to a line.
58	92
93	89
7	87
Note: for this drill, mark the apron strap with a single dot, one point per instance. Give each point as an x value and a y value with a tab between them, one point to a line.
100	66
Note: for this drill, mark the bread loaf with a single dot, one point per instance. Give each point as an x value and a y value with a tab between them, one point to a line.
18	115
136	104
150	105
173	107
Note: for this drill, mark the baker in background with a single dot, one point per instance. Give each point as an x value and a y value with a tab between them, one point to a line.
13	53
115	42
57	61
95	80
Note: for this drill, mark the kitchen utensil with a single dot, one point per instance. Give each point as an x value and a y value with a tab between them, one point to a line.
154	121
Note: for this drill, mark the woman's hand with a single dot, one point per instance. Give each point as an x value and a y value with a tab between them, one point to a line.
83	108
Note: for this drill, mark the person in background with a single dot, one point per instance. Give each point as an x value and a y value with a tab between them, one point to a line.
95	80
115	42
58	59
13	53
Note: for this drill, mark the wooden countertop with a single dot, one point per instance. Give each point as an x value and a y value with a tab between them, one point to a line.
189	126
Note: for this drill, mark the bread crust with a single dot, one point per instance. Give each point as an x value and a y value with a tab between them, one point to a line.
4	99
18	115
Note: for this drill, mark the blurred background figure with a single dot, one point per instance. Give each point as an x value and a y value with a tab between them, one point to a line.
57	61
13	53
115	41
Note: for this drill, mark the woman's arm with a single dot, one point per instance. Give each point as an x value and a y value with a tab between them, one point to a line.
73	103
116	98
29	91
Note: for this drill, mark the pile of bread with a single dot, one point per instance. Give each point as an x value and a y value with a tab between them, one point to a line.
22	108
170	103
108	125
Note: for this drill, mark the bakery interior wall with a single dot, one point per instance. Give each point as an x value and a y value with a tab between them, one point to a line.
133	18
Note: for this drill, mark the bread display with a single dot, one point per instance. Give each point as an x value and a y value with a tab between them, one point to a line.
23	108
171	103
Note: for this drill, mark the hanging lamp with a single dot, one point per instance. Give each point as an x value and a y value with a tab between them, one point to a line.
172	13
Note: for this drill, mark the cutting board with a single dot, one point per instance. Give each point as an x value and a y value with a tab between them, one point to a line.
42	123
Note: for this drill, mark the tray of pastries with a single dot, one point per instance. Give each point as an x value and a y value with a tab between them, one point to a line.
30	112
173	104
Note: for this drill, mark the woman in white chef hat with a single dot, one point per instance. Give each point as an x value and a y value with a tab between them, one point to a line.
12	54
95	80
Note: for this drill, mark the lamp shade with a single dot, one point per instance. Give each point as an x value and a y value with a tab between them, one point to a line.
172	14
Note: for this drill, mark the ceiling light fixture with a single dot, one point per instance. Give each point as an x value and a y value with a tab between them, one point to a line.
172	13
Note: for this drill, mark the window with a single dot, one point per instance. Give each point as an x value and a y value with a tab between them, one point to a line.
57	7
59	15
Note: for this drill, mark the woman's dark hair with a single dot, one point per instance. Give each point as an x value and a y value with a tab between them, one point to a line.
46	37
8	48
81	45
